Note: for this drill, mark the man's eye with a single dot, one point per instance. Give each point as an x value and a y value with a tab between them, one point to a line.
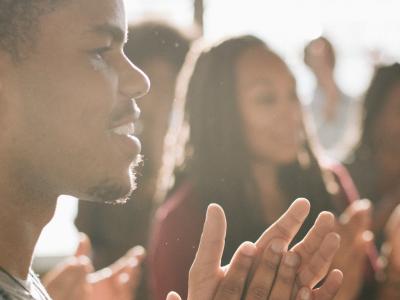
265	99
100	52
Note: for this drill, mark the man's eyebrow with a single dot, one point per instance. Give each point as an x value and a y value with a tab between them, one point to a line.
118	34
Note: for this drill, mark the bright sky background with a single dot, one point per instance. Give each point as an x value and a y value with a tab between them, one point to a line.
357	28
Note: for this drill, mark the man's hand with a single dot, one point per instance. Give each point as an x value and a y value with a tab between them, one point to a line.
120	280
75	278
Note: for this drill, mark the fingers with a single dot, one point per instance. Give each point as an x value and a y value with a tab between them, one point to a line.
323	225
392	244
84	247
206	272
287	225
68	280
330	287
285	279
357	217
318	265
266	268
356	240
304	294
173	296
232	285
138	252
209	253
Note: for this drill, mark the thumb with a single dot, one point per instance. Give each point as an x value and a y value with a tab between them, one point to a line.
84	247
173	296
212	240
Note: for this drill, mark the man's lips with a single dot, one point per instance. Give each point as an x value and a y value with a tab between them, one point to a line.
125	129
122	128
127	112
124	141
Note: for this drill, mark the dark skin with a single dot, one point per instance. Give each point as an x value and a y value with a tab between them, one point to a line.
271	117
31	181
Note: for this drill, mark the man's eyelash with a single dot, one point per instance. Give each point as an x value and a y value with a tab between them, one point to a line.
101	51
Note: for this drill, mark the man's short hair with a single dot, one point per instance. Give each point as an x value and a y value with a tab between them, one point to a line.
19	23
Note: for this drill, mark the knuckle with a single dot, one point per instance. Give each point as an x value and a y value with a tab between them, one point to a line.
231	288
308	250
277	297
283	231
258	292
314	270
196	275
271	262
242	265
286	278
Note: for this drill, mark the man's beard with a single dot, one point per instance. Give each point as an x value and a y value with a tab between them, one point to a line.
110	192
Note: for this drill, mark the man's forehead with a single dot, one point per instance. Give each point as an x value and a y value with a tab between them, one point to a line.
113	30
105	17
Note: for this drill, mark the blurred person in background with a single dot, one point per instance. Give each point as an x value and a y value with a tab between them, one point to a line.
333	115
375	162
244	146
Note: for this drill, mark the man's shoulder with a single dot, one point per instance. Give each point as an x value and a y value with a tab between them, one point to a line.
4	295
12	289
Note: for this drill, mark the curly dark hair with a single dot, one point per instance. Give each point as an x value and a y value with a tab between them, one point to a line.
19	23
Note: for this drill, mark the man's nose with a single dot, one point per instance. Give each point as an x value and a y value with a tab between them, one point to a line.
134	82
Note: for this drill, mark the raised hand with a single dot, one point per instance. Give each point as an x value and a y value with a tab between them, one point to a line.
353	227
270	273
75	278
68	279
389	288
119	280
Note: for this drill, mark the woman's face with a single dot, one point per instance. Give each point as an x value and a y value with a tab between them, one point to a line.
387	127
269	106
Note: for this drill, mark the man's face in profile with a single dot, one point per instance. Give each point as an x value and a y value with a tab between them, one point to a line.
70	107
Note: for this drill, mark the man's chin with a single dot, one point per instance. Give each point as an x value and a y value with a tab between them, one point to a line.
113	191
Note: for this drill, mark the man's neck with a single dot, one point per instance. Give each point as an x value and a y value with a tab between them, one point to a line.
22	218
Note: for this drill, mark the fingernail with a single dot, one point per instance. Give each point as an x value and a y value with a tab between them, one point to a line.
84	260
292	259
367	236
363	204
278	246
123	278
137	251
305	294
249	249
133	262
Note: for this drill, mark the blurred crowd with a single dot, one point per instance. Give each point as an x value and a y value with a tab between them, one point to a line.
223	124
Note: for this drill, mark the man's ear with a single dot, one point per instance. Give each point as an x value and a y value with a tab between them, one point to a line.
4	60
1	72
4	57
